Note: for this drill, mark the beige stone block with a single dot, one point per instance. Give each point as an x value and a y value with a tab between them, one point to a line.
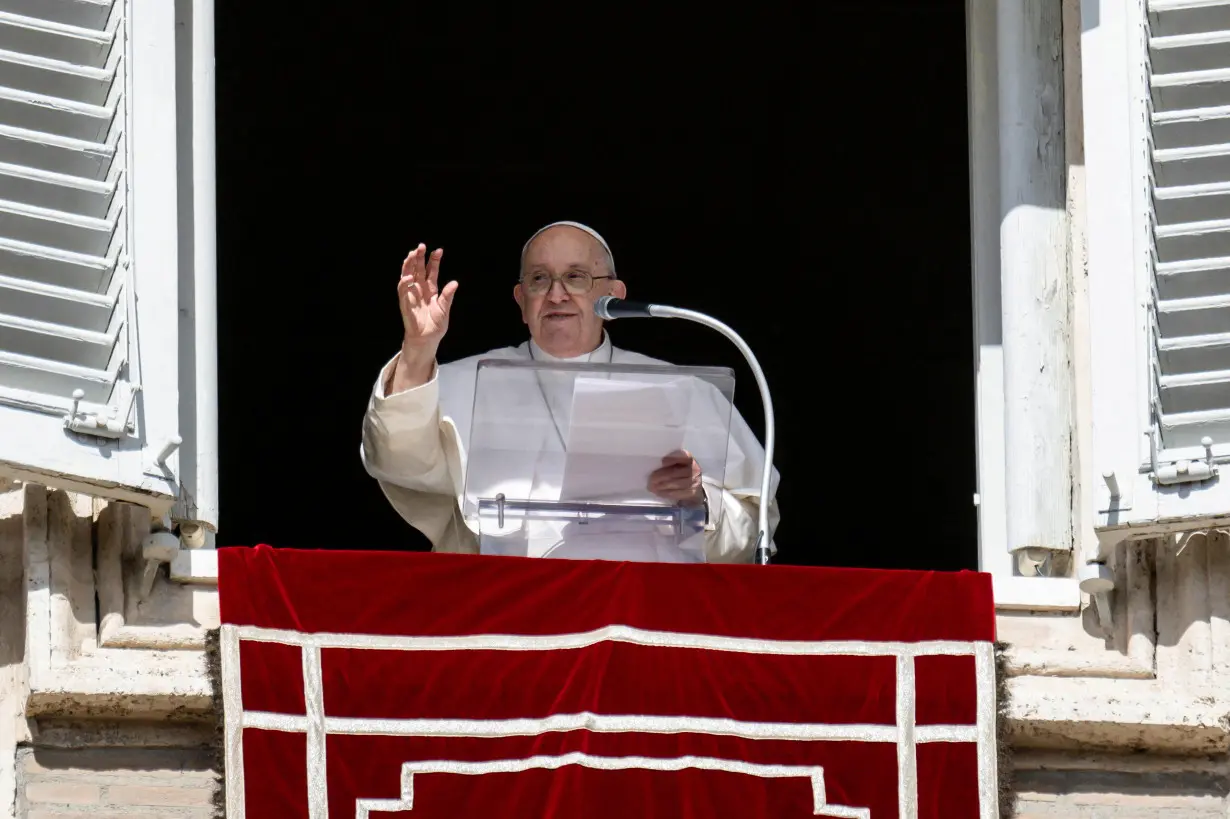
1200	802
1030	796
155	796
63	793
107	764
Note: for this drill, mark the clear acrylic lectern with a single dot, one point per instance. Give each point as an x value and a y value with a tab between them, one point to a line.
560	456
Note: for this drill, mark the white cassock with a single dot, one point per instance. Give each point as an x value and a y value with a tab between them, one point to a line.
414	444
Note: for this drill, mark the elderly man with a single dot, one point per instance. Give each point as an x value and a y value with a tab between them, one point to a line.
417	424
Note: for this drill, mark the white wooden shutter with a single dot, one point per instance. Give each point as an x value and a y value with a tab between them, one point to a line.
90	236
1189	113
1156	100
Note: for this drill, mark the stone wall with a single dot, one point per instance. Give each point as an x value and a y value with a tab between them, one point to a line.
101	769
1084	786
105	700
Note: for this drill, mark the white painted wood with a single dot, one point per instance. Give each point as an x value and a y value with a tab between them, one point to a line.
198	566
198	280
155	220
1159	267
1088	482
983	90
97	247
1117	316
1035	279
1055	594
62	227
1012	592
1189	78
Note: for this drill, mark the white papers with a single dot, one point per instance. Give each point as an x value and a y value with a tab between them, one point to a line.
618	433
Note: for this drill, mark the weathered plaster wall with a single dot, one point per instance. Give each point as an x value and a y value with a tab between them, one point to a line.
1134	723
105	705
1159	682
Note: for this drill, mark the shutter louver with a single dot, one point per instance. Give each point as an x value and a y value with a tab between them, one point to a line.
63	305
1189	84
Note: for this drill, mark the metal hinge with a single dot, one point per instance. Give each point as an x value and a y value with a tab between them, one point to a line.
1185	471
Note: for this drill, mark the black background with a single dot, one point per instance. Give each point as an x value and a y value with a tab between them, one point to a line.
798	170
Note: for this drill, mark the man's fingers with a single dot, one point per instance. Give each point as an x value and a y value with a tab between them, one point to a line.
407	291
407	265
433	265
671	480
420	262
412	267
676	494
446	296
672	472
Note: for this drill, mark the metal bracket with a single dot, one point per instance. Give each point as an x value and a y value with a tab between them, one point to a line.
112	426
1116	497
1181	471
160	547
1098	581
158	468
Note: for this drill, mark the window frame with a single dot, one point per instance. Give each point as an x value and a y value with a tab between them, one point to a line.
1011	591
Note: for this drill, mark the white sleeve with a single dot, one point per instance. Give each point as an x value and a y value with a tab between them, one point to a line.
730	535
415	455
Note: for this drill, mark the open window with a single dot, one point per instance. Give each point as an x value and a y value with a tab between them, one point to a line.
101	380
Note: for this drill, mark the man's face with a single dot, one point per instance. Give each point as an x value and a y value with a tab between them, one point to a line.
561	322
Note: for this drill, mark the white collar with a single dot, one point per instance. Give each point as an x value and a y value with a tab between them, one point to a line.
601	353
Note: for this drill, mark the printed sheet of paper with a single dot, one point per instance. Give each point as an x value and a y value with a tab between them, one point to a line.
619	431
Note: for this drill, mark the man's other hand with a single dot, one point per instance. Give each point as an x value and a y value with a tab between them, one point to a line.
678	479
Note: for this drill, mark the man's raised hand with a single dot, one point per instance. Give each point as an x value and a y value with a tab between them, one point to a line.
424	305
424	317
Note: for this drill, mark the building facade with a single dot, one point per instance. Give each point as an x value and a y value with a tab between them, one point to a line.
1100	204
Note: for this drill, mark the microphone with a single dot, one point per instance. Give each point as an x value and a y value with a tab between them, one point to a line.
610	308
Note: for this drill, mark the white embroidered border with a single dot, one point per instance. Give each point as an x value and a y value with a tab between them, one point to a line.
607	634
907	759
363	807
314	721
233	713
905	733
987	710
609	724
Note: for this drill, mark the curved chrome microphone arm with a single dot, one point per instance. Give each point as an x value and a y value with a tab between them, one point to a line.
609	307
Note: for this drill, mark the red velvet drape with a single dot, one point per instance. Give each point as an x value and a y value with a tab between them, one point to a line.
619	676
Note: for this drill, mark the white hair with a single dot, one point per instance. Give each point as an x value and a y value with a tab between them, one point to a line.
606	249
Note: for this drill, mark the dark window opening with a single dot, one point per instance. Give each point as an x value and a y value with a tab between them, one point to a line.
797	170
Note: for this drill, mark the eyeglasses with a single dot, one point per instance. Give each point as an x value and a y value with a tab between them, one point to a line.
576	282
